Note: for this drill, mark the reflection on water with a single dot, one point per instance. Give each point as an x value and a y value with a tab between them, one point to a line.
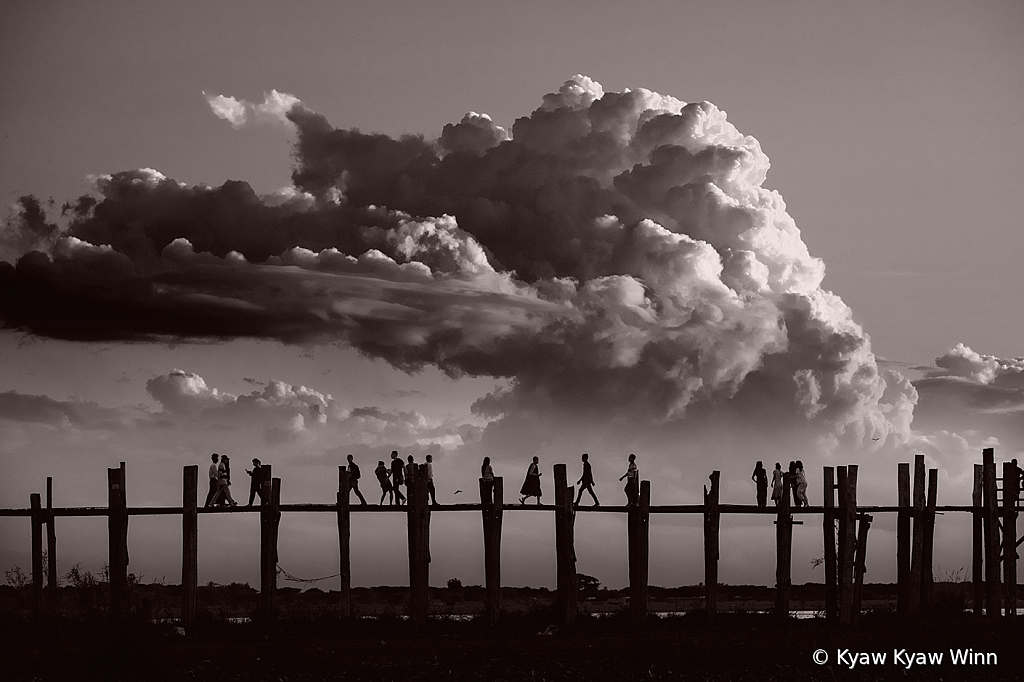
466	617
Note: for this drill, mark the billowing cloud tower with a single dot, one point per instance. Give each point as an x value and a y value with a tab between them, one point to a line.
613	254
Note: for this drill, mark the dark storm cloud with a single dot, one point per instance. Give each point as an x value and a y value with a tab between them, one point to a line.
616	252
26	228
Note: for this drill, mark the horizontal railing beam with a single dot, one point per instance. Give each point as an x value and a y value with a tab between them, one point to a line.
359	508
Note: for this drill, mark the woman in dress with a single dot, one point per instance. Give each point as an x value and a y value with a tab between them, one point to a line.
777	484
531	486
760	477
224	484
801	485
632	490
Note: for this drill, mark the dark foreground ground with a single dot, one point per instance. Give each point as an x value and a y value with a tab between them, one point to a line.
739	647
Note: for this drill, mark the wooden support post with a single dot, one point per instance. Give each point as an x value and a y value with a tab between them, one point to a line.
841	502
903	541
344	536
117	533
1011	495
37	557
189	544
783	549
565	552
638	529
992	601
917	556
52	584
418	514
846	566
860	567
712	519
269	513
491	494
927	550
978	520
828	528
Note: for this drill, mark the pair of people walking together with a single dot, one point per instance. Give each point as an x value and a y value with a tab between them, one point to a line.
220	482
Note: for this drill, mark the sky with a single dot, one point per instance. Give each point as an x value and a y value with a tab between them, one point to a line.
295	231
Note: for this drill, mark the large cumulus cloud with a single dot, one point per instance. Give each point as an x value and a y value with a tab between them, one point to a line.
613	252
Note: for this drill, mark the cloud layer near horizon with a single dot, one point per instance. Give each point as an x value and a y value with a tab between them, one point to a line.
612	255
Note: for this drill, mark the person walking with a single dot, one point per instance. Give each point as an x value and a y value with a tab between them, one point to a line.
801	484
224	490
211	496
531	486
586	482
777	480
255	481
430	480
386	490
632	488
397	476
760	478
353	479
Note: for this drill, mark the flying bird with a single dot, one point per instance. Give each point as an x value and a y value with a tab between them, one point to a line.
456	492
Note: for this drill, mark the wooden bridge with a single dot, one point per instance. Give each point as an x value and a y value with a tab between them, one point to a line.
994	510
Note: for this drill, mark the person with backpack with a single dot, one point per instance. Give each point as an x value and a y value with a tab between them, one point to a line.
353	479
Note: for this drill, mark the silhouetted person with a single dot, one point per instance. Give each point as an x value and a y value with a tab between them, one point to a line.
487	476
430	480
255	481
214	481
410	472
792	484
801	484
632	488
386	490
760	477
353	478
531	486
586	482
777	481
397	476
224	485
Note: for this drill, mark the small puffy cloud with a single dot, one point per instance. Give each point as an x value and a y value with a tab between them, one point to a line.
274	108
961	361
970	391
475	134
227	108
186	393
